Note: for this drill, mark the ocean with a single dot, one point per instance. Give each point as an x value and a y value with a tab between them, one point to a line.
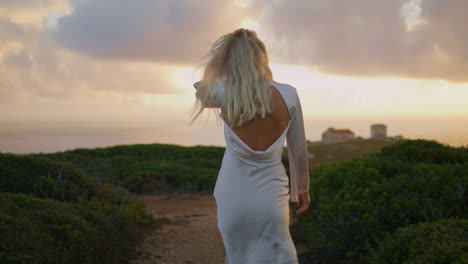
47	137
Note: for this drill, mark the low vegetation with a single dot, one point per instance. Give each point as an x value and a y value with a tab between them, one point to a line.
440	241
148	168
183	168
372	201
53	212
357	203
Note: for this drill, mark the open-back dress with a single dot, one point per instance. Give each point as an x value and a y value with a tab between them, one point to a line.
251	190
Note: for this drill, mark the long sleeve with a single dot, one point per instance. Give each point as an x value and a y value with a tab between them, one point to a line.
218	97
297	152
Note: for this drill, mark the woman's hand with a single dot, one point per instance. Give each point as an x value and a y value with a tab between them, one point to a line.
197	84
303	202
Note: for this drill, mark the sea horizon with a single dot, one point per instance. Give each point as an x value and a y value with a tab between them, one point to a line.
22	137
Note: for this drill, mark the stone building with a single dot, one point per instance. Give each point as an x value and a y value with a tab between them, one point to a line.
332	134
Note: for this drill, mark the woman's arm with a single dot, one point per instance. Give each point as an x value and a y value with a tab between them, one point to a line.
218	98
297	154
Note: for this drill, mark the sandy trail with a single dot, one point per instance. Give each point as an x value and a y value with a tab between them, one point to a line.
191	236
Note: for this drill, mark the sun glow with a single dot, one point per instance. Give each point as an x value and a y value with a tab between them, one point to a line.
250	24
332	95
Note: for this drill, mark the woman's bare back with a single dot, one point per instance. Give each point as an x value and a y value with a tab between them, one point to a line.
258	133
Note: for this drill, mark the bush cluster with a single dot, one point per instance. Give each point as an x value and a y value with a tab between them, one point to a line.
355	204
180	166
53	212
442	241
145	182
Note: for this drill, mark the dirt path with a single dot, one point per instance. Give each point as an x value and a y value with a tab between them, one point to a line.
191	236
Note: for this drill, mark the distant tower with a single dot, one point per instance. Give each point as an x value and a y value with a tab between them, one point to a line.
378	131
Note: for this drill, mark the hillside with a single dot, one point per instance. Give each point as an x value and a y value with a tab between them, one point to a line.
147	168
363	210
54	212
365	195
327	153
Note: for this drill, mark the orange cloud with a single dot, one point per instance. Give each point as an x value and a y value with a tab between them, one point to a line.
370	38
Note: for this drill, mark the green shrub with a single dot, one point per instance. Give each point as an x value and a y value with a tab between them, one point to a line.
51	179
53	212
444	241
34	230
196	165
354	203
427	151
145	182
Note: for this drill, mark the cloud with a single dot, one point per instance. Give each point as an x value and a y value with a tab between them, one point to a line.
8	31
128	47
29	11
33	66
170	31
374	38
25	3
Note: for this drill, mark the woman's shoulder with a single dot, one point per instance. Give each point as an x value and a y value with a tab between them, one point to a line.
283	86
289	94
286	90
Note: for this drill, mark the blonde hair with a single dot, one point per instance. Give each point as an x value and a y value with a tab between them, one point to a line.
240	59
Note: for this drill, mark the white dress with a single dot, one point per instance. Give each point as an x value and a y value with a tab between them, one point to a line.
251	190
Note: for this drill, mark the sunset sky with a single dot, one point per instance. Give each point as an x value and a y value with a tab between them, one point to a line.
100	60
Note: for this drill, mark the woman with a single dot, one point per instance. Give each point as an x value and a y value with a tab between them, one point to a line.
251	190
